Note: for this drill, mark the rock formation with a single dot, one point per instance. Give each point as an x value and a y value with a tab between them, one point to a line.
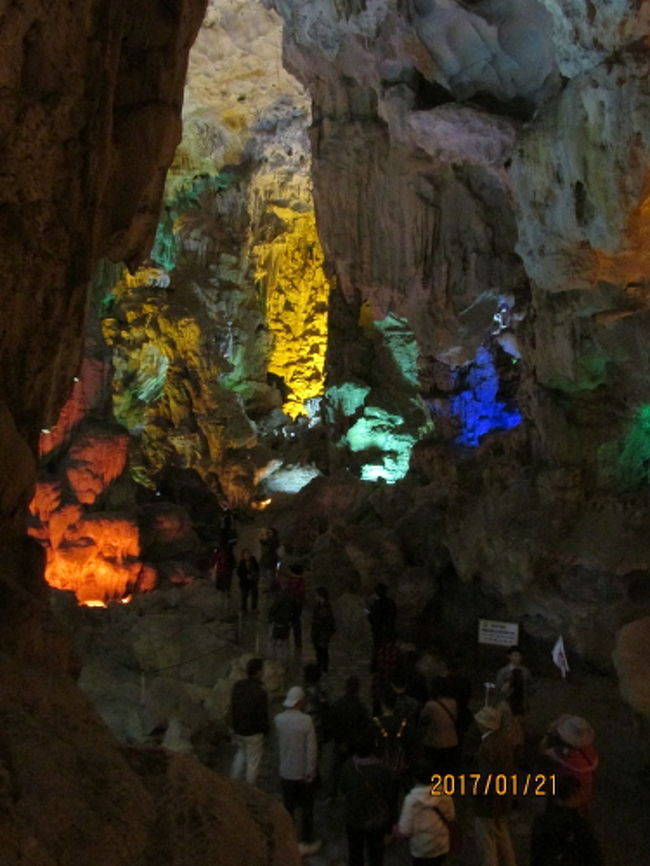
90	118
450	328
480	177
479	184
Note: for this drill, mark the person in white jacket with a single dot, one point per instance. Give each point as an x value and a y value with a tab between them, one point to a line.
425	820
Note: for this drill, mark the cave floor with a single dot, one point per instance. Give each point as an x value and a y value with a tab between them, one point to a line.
619	812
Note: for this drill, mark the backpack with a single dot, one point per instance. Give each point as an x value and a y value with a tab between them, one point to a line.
392	745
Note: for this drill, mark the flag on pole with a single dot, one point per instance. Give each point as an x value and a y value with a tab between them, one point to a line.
558	655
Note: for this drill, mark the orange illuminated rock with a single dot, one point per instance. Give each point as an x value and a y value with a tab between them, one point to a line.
94	461
147	579
47	498
97	557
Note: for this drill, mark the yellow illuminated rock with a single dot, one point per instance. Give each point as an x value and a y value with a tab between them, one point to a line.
296	290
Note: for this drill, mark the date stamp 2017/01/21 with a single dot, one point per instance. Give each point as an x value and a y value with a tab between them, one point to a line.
501	784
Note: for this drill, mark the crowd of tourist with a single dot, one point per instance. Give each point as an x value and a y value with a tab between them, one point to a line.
419	765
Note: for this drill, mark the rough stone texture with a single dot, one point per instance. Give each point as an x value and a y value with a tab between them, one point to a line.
221	327
165	659
480	172
68	792
89	118
206	819
93	147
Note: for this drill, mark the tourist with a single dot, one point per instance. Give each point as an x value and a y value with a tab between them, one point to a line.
382	616
223	566
250	722
416	685
569	746
316	702
392	735
503	678
405	705
269	543
386	663
298	755
513	707
248	572
561	835
425	820
297	588
348	716
494	756
438	731
323	627
370	803
281	615
228	527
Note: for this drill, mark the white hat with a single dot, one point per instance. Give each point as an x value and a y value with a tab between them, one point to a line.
294	696
489	718
574	731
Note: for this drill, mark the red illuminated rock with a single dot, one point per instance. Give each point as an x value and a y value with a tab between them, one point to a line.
87	391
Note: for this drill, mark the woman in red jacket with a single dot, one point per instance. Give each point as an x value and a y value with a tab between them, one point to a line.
569	745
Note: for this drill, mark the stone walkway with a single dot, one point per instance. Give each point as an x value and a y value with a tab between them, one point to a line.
620	811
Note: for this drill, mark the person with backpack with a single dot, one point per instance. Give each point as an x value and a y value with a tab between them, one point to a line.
391	735
426	820
438	729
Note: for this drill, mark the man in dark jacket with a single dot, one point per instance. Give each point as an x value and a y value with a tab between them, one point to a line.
561	835
347	717
250	721
370	803
281	617
297	588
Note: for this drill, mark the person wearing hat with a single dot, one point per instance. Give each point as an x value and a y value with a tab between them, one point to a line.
569	746
494	756
298	756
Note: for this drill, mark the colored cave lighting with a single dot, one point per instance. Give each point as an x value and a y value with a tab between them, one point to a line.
634	460
477	407
96	555
382	433
290	269
290	479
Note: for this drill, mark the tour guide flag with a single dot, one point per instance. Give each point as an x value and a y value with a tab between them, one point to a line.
559	656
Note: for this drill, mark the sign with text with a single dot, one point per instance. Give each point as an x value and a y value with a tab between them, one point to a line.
495	633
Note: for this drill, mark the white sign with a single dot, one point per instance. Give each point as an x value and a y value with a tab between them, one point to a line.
495	633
